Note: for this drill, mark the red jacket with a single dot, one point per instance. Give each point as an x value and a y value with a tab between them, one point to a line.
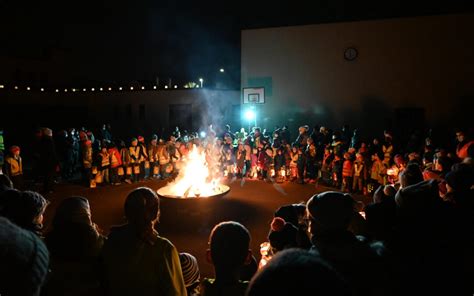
115	158
347	168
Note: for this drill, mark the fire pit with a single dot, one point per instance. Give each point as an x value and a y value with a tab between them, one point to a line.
195	179
219	191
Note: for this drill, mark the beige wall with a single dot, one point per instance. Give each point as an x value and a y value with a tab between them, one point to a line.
425	62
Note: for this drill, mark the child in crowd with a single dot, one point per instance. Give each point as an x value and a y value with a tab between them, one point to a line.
14	167
293	163
228	252
377	172
311	162
125	157
87	162
104	164
301	164
115	164
143	159
336	171
135	156
360	173
240	160
347	173
280	164
153	150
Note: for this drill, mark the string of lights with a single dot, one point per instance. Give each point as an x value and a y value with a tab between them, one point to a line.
94	89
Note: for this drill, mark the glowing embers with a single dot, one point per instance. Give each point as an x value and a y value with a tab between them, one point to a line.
195	179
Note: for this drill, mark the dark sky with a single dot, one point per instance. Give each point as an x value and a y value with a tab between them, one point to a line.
103	41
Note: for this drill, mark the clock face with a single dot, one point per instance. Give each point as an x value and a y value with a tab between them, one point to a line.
350	54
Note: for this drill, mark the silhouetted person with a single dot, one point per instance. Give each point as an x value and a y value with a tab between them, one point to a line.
297	272
330	214
48	160
229	252
23	260
74	245
137	261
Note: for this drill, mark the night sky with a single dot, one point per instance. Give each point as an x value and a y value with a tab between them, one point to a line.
109	41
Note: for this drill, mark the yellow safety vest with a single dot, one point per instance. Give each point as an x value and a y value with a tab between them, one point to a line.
14	165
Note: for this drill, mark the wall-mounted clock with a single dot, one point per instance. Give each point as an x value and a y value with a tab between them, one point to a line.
350	53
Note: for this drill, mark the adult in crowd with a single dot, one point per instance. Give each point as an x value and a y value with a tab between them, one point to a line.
330	214
24	208
434	241
229	252
24	260
297	272
5	183
136	260
48	160
74	244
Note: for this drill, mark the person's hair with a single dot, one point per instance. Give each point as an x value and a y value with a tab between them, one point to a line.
331	210
229	244
296	270
411	175
282	235
5	183
142	208
23	208
73	234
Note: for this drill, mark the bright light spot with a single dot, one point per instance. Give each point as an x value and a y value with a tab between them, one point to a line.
221	70
110	88
143	87
154	86
84	89
2	86
73	90
202	134
175	86
250	115
166	86
65	90
42	89
57	90
201	80
16	87
197	86
120	88
131	87
93	89
101	89
28	88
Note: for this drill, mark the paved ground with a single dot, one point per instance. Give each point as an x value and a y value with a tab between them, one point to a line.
187	223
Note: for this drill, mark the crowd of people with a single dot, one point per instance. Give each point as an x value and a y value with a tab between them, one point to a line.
340	159
416	237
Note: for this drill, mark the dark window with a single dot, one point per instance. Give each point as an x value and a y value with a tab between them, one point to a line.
128	110
141	112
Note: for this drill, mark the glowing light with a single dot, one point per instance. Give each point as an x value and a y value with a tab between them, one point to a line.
2	86
143	87
65	90
101	89
202	134
28	88
250	115
110	88
131	87
175	86
93	89
166	86
154	86
83	89
16	87
221	70
197	86
73	90
42	89
120	88
201	81
194	179
57	90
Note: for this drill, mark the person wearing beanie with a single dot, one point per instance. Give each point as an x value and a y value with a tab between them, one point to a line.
228	252
330	214
191	274
282	235
144	159
24	260
24	208
153	156
135	259
74	244
14	167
